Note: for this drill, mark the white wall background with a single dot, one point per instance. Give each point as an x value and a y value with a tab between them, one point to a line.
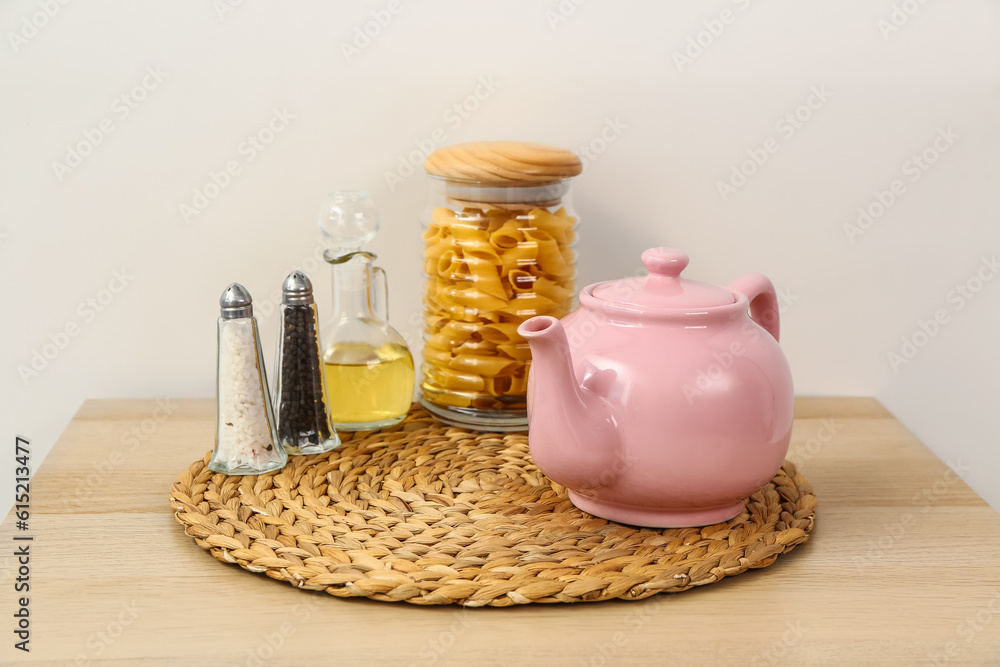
852	301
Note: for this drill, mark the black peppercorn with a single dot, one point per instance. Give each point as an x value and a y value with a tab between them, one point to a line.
303	420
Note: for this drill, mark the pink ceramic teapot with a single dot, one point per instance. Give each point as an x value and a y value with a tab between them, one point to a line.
661	401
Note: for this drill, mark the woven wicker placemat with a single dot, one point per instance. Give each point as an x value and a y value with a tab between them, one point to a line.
432	514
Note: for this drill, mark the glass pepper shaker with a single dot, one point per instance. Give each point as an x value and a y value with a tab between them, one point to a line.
246	442
368	367
300	388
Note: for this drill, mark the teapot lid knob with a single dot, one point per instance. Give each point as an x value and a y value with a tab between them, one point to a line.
663	288
665	261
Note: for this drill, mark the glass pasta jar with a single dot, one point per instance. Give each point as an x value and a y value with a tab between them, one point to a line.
499	248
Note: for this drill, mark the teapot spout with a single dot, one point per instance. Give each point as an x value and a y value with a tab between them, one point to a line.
573	433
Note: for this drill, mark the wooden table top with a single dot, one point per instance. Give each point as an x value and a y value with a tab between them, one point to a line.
903	567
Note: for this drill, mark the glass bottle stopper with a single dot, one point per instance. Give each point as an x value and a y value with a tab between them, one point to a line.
348	219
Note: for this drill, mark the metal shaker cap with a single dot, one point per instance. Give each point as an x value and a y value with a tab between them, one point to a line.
297	290
236	302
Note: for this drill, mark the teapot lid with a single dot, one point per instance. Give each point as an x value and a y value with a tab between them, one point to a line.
664	287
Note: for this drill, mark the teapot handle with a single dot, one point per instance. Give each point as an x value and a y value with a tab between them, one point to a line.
760	292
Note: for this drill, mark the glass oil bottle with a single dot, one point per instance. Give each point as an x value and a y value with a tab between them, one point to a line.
368	367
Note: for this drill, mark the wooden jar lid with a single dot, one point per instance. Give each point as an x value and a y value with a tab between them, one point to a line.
503	163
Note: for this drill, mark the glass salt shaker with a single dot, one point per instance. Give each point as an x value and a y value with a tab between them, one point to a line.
300	388
246	442
368	367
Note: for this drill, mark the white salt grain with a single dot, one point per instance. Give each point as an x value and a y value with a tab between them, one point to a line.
245	436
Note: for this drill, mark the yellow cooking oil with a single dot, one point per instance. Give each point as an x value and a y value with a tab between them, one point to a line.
368	386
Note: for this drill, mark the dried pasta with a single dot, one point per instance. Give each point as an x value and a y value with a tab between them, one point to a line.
488	270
